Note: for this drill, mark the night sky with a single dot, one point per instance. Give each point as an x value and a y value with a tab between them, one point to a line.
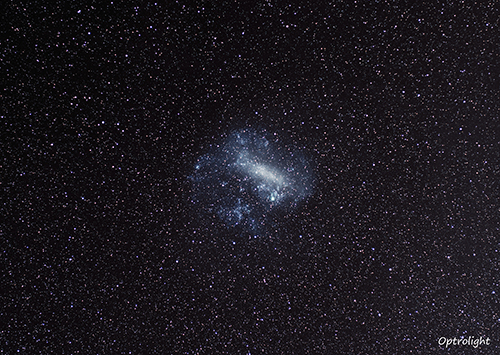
250	177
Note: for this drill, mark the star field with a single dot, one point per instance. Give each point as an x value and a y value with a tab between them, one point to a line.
250	177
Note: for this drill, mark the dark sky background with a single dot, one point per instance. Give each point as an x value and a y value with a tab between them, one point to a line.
106	108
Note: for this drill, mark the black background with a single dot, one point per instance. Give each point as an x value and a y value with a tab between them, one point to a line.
106	107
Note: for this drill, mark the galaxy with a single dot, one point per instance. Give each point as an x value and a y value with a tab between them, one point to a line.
250	177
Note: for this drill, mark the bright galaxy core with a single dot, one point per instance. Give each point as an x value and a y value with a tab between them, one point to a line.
248	181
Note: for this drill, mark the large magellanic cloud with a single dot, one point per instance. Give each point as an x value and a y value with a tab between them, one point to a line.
249	179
